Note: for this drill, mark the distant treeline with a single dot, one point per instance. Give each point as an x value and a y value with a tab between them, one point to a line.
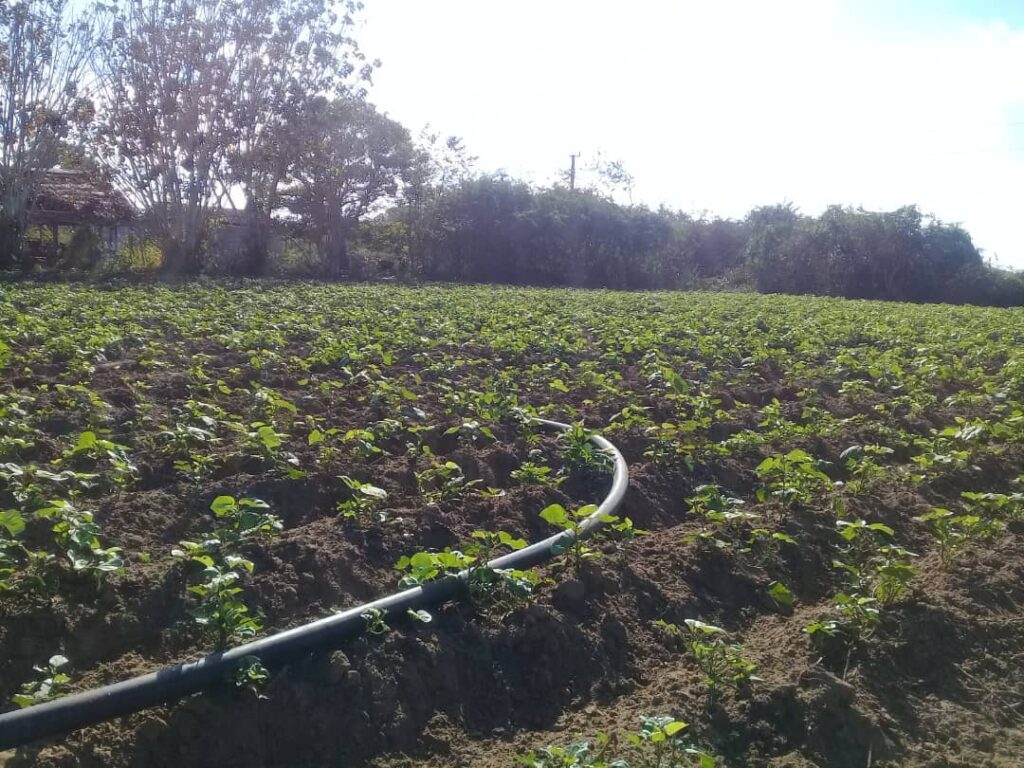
193	156
496	229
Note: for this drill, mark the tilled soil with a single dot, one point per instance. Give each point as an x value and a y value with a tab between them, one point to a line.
940	682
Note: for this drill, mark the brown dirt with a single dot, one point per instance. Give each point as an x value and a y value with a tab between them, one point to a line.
941	684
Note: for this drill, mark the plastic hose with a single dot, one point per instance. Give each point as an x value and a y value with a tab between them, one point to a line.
93	706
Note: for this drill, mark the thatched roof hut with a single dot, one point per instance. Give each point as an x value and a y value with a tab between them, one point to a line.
67	197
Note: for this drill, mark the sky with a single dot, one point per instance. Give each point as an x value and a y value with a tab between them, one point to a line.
720	106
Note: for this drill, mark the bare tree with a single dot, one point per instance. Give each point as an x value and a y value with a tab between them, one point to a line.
166	123
44	51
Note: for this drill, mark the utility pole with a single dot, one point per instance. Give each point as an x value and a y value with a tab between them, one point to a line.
572	171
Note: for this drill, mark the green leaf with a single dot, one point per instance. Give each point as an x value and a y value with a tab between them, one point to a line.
422	560
223	505
671	729
373	491
506	538
248	503
780	593
707	629
269	437
555	514
12	520
559	386
677	383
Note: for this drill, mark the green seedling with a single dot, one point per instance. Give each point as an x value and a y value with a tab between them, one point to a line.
443	481
50	683
251	675
530	473
363	501
95	449
581	456
78	534
424	567
657	744
221	608
856	619
954	532
502	589
375	622
472	433
995	506
267	444
242	519
792	478
672	444
720	662
574	524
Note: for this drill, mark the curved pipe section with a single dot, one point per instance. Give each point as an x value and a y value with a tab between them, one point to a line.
93	706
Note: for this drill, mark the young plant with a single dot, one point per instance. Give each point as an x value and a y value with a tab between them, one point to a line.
443	481
672	444
530	473
221	608
50	683
503	589
581	455
375	623
573	522
727	521
266	443
242	519
365	444
876	567
363	501
472	433
94	450
196	467
660	744
864	463
792	478
423	567
79	535
719	661
995	506
953	532
251	675
893	574
856	619
657	744
24	571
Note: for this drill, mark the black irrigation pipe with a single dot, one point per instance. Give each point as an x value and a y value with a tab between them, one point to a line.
93	706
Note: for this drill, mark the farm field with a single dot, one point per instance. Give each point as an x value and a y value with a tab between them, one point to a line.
818	561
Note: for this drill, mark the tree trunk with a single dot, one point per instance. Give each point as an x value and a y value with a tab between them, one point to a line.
182	246
12	243
256	257
181	259
336	252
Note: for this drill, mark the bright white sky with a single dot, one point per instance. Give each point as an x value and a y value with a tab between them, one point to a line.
721	106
